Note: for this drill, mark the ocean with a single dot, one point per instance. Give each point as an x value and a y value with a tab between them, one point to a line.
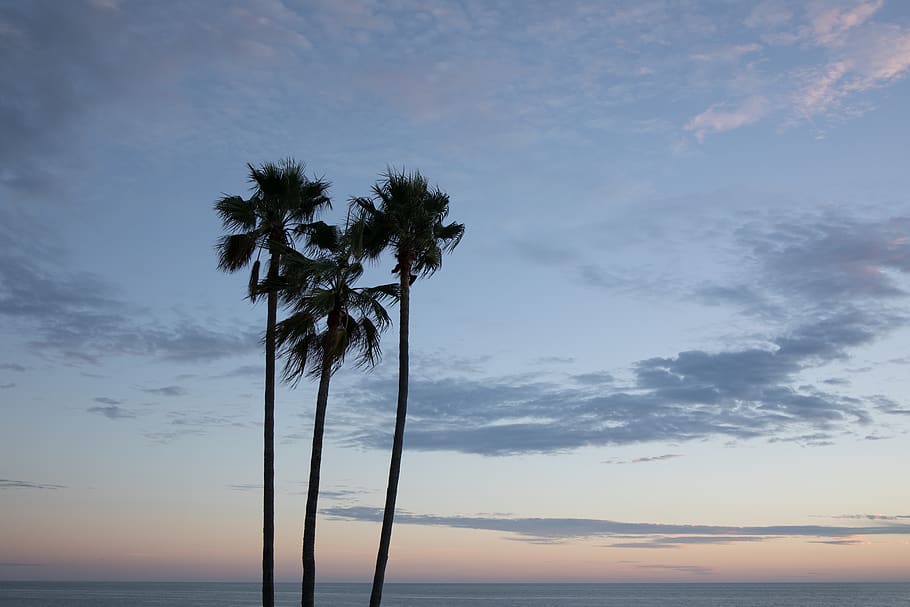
136	594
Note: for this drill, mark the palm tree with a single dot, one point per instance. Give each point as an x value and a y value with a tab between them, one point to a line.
331	318
405	215
282	199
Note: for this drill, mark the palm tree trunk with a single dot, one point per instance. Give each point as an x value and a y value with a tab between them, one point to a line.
385	538
268	459
309	523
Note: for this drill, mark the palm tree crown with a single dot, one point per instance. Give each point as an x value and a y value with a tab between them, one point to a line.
283	200
330	317
406	215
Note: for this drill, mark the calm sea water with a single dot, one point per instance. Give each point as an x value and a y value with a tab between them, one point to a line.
65	594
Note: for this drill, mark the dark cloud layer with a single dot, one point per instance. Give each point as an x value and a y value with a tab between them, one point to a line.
650	534
835	278
740	394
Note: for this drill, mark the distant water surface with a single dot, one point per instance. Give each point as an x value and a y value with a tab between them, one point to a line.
95	594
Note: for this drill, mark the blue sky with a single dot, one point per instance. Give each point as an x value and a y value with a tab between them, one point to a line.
672	344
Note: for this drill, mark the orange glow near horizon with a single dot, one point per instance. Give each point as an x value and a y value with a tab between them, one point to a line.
165	547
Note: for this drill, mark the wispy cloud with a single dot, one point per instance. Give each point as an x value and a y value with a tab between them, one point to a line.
829	23
872	517
837	53
718	119
665	542
112	412
68	51
6	483
165	391
728	53
181	424
12	367
245	371
584	528
106	400
82	318
245	486
644	460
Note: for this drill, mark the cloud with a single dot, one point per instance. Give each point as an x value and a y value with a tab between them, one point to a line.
12	367
584	528
830	23
727	54
873	517
6	483
104	400
643	460
826	285
68	63
663	542
718	119
832	258
847	542
7	386
112	412
593	379
80	317
183	423
246	371
770	14
836	51
741	394
165	391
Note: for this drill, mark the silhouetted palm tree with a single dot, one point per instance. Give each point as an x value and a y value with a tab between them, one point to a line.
331	318
282	199
403	214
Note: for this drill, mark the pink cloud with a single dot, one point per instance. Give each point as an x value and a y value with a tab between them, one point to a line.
717	120
830	23
769	14
727	54
823	90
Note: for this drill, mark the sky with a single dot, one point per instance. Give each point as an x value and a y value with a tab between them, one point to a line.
672	345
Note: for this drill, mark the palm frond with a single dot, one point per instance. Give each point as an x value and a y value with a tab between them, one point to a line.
298	339
236	214
236	250
368	344
450	235
253	287
318	235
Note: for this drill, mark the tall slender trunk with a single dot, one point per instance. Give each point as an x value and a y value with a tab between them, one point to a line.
268	459
312	497
385	538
